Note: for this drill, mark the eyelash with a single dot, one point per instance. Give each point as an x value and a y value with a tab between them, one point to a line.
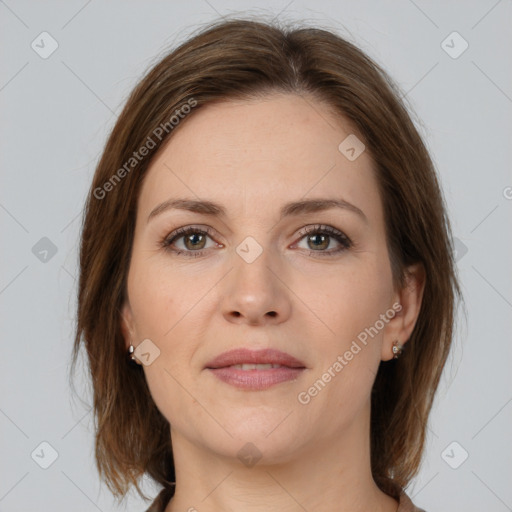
340	237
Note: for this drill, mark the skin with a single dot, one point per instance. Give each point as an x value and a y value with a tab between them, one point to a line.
252	157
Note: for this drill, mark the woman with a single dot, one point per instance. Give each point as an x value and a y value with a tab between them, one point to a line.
267	288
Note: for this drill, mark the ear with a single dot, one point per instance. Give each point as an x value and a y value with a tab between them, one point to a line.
128	327
127	324
410	298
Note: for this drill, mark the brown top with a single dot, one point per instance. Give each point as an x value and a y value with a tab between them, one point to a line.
161	501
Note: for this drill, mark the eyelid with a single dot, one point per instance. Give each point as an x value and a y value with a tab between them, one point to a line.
182	231
324	228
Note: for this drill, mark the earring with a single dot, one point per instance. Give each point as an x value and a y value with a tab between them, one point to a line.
397	349
131	357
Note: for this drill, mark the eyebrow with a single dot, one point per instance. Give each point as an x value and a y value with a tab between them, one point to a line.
293	208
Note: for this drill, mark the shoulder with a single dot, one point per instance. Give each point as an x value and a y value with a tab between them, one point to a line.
406	505
161	500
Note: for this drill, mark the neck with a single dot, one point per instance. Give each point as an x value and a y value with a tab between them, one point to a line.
330	474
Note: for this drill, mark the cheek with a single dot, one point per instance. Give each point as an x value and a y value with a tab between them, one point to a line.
165	304
347	342
160	298
350	299
347	350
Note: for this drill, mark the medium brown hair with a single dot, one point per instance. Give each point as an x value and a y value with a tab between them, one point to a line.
244	59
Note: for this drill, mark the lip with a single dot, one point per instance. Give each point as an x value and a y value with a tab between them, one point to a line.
246	356
289	368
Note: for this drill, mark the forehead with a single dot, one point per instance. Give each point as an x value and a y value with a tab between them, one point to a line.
264	152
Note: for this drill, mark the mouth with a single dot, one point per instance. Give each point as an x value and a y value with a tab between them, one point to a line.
255	370
260	366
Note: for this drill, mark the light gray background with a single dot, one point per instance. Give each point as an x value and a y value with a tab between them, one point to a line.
56	114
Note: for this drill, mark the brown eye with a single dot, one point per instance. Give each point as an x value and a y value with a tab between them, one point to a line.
190	241
319	238
318	241
194	241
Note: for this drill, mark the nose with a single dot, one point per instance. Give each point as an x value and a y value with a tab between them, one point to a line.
255	293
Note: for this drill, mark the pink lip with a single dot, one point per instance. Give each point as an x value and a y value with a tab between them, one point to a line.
290	368
246	356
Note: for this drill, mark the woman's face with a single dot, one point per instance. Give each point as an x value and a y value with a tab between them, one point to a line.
261	275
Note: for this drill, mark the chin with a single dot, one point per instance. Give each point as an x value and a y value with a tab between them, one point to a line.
273	433
252	447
